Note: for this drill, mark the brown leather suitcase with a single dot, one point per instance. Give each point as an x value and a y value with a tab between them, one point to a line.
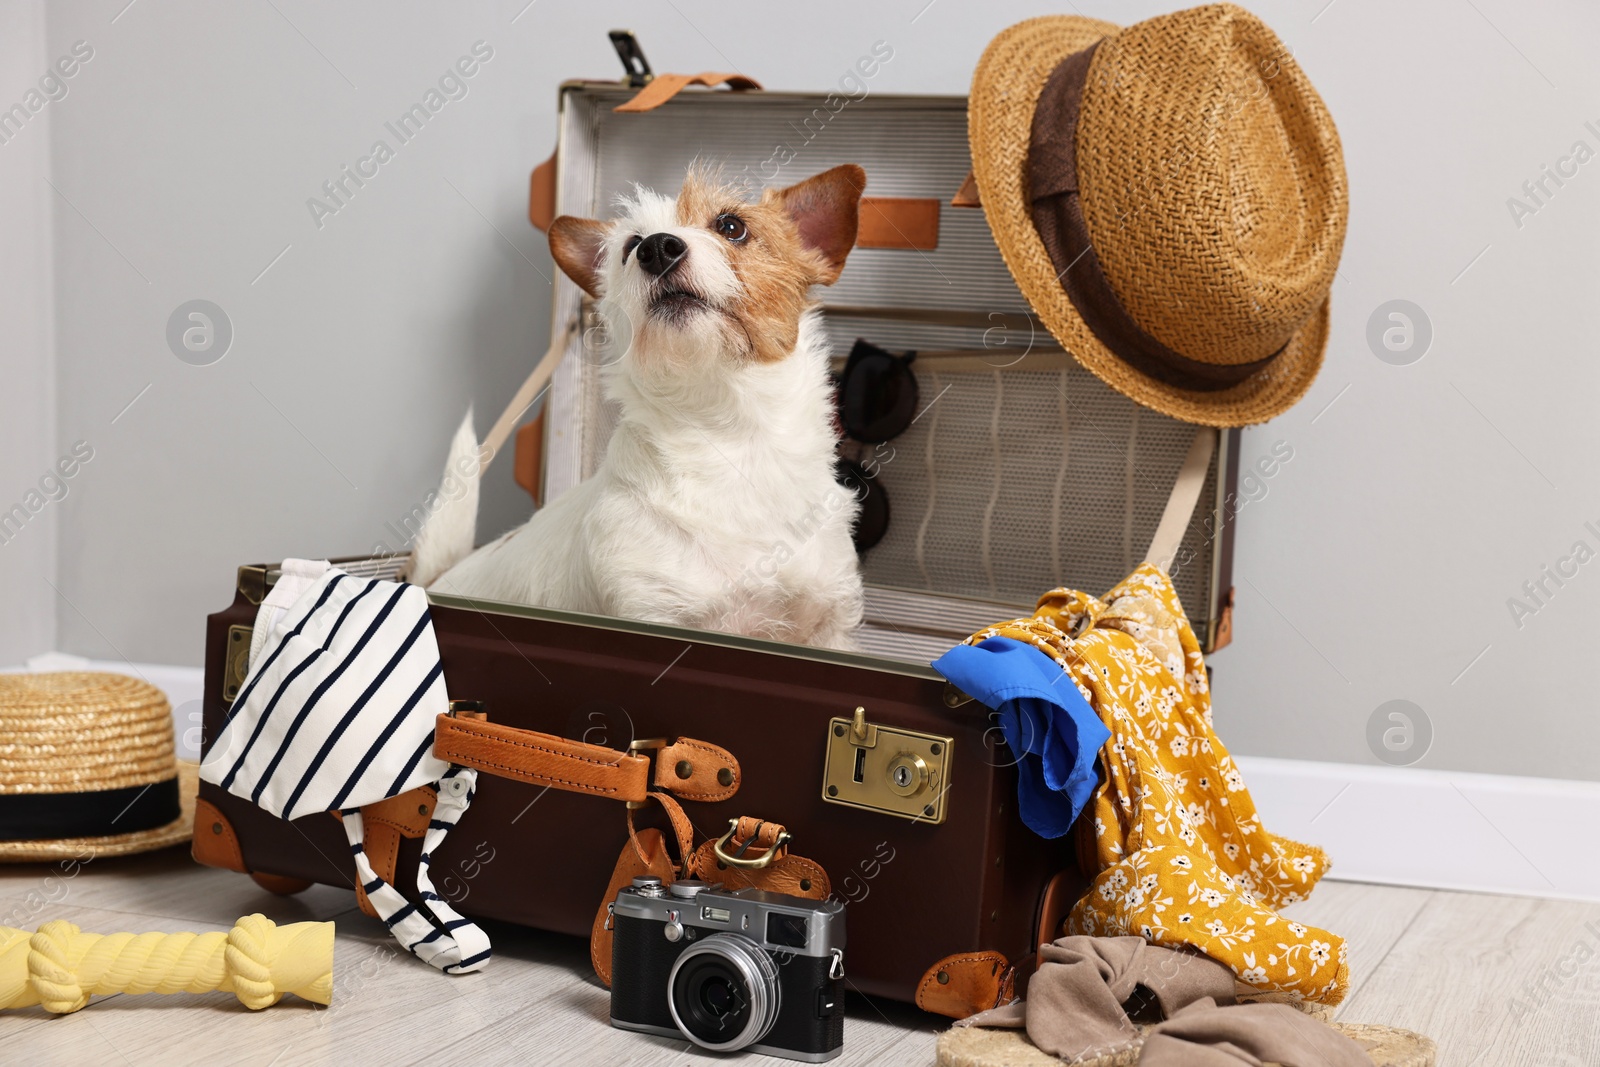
919	887
944	883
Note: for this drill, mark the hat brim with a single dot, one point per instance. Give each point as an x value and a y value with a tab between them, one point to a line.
1005	90
84	849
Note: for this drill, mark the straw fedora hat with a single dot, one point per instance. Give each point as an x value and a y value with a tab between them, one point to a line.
1170	198
88	768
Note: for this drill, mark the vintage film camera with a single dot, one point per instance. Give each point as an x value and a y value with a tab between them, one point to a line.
729	970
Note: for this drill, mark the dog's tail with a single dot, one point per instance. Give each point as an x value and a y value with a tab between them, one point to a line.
448	532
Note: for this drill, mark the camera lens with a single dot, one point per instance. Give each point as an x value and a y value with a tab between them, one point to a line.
723	992
718	997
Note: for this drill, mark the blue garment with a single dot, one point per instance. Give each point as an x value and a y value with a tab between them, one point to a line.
1053	733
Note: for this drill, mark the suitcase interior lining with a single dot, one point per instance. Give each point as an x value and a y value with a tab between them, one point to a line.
1023	473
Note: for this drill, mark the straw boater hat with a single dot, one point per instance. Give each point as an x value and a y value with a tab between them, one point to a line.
87	768
1171	200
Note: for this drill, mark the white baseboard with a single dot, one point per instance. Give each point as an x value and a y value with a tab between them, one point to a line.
1484	833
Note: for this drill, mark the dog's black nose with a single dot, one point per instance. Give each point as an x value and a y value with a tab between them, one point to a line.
660	252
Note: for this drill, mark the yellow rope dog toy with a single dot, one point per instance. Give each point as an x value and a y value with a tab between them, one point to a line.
61	967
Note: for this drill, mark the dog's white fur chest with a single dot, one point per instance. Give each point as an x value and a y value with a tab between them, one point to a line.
714	508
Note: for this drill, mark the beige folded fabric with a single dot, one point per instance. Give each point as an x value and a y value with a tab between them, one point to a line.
1206	1035
1075	1011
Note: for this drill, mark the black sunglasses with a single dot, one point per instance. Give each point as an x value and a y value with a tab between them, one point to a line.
877	400
877	394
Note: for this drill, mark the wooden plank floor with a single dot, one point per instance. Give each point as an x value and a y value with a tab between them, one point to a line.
1501	981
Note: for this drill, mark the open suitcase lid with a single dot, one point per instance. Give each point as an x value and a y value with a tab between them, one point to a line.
994	532
1068	495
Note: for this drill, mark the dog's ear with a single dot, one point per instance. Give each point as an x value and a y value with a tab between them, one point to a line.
576	245
825	208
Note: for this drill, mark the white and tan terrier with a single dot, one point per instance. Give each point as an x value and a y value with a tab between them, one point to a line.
715	506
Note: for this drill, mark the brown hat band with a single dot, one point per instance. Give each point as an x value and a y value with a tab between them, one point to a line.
1058	216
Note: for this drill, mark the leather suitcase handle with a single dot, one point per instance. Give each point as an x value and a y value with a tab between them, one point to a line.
542	759
664	87
690	769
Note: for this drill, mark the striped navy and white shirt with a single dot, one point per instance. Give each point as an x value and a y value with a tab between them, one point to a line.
337	712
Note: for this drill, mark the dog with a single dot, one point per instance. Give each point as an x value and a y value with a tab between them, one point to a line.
716	505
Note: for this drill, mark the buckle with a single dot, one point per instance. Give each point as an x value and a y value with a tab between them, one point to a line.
645	744
469	709
738	860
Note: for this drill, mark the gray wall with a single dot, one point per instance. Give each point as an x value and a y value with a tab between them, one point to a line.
27	388
1377	566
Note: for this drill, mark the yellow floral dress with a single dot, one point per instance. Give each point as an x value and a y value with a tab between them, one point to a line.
1182	856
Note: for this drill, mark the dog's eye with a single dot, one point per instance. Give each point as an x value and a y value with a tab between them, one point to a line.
629	245
730	226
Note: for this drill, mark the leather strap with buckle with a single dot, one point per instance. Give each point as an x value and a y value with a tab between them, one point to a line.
773	868
769	838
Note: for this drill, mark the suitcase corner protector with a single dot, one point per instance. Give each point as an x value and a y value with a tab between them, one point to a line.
215	844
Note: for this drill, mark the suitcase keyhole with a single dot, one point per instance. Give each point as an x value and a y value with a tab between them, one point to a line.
861	765
902	776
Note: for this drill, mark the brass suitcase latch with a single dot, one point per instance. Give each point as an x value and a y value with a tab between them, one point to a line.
886	769
236	661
